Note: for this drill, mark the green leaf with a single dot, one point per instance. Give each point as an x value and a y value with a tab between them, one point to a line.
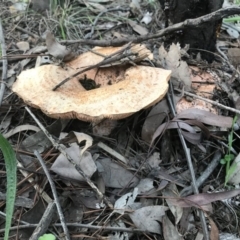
223	161
228	157
11	170
47	236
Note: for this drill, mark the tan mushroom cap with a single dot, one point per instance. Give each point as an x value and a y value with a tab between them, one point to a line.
136	88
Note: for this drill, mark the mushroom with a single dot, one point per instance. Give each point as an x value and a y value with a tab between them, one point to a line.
123	90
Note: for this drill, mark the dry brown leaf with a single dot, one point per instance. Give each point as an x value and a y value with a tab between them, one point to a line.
66	169
190	136
57	50
147	218
137	28
172	191
114	175
26	127
214	233
206	117
170	231
154	119
172	60
201	199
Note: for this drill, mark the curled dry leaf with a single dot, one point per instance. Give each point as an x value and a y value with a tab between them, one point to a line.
56	49
192	136
26	127
194	117
82	137
172	60
123	91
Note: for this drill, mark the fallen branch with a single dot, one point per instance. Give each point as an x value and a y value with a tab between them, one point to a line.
217	15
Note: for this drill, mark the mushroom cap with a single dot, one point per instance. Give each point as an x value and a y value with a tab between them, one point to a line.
131	90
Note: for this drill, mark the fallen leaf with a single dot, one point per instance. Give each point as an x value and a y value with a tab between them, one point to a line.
124	203
64	168
23	46
172	192
206	117
137	28
154	119
170	231
145	185
172	60
21	128
201	199
191	136
39	141
148	218
214	233
57	50
114	175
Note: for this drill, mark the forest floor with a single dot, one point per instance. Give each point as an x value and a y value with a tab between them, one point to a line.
114	153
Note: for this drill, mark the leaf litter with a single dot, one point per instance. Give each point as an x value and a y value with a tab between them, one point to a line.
142	178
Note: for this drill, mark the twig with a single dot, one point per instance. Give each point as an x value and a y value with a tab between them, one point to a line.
3	215
55	196
222	13
112	152
22	56
43	194
26	31
4	63
190	165
108	60
44	223
115	229
77	167
210	101
204	176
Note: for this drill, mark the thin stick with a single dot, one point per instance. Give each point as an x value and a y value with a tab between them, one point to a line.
210	101
204	176
108	60
44	223
4	63
77	167
190	166
55	196
115	229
